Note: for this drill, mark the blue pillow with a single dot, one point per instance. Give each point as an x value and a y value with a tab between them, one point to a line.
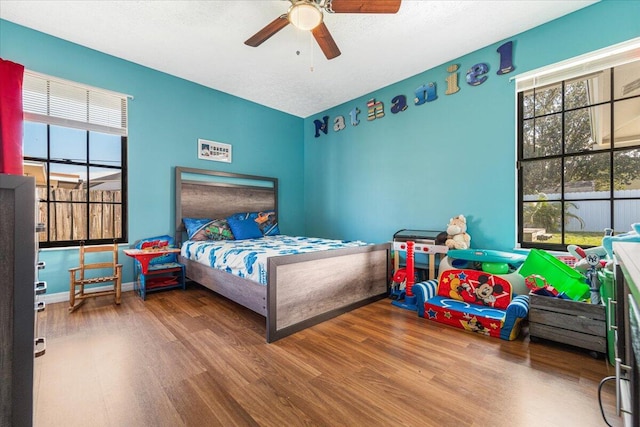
193	225
244	228
266	221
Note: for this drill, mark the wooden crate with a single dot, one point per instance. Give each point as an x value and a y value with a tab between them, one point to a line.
570	322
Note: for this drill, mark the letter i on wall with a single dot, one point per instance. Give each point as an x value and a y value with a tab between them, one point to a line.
452	79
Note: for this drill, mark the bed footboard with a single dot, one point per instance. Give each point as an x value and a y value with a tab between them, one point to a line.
245	292
306	289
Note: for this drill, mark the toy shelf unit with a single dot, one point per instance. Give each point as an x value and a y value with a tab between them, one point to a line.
576	323
154	277
425	244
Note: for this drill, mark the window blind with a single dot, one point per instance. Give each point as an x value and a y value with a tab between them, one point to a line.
60	102
593	62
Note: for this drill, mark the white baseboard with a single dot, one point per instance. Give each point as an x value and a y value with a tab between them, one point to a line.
64	296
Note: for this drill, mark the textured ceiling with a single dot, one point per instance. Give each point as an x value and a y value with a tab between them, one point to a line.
202	41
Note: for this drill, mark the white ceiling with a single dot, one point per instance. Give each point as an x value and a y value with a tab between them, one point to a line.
203	41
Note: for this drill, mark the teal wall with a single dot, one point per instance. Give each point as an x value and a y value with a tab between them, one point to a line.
166	117
454	155
414	169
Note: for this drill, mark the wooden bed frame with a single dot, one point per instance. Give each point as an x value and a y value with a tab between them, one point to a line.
302	289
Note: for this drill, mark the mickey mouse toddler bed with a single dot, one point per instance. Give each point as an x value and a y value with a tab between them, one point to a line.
294	282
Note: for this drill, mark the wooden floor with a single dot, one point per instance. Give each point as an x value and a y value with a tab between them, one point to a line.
192	358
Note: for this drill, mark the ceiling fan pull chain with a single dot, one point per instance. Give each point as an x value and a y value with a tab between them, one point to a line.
311	50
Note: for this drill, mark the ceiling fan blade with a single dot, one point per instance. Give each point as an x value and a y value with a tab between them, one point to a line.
365	6
325	41
273	27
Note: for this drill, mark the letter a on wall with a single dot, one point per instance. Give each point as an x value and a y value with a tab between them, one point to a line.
398	104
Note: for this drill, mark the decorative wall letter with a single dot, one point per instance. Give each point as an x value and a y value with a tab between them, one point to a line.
376	109
452	80
321	125
475	74
506	61
425	93
398	104
354	116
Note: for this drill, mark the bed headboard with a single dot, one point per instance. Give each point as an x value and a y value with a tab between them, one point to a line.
202	193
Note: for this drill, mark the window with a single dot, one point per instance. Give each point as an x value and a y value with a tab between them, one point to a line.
75	145
579	152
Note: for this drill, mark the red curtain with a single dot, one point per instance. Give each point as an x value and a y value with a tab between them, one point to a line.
11	117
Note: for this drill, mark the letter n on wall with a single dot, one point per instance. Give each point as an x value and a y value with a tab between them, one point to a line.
321	126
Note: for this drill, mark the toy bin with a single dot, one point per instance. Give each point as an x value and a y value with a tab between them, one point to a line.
557	274
607	292
576	323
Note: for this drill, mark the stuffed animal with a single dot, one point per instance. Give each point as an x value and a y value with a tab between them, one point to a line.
457	233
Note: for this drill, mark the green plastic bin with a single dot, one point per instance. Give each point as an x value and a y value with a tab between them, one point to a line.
556	273
607	290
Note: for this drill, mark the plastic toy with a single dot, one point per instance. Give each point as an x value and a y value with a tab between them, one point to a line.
407	299
590	261
539	286
489	256
500	263
556	273
398	284
428	245
632	236
584	255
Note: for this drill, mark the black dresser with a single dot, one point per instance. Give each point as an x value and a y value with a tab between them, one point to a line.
628	331
17	298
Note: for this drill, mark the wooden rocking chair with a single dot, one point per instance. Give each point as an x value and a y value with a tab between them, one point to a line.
80	277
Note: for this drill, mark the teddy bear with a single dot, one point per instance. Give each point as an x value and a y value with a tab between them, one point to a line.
457	233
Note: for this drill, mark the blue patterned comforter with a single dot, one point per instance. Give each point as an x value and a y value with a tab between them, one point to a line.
248	258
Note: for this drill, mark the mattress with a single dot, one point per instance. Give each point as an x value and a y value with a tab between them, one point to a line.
248	258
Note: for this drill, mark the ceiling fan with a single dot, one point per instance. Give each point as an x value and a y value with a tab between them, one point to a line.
308	15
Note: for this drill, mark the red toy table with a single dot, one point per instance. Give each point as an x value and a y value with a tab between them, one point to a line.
144	256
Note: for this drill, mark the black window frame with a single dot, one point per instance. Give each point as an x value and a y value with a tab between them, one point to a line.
563	156
122	168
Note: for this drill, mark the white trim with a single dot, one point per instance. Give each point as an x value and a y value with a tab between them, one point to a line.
55	101
76	84
64	296
59	121
608	57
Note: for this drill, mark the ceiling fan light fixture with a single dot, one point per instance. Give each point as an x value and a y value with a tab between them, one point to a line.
305	16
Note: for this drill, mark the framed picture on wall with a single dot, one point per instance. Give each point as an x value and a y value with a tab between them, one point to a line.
215	151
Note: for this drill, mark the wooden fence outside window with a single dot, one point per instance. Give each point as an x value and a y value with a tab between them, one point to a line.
68	214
